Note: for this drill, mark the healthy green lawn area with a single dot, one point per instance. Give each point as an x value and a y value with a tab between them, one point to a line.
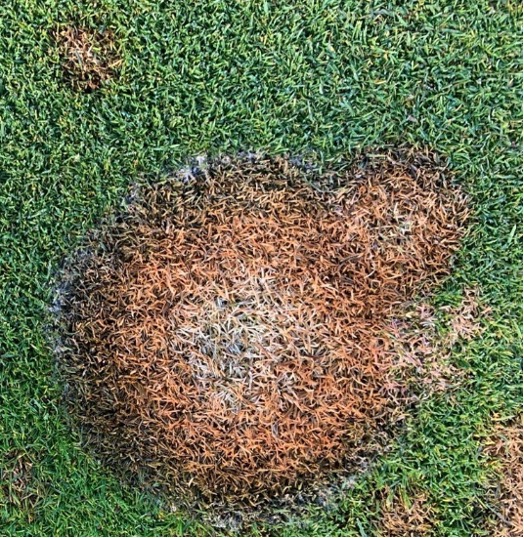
311	77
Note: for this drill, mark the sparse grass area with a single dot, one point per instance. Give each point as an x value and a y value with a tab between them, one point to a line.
317	78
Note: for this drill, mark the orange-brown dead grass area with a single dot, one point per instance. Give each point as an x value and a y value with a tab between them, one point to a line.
230	331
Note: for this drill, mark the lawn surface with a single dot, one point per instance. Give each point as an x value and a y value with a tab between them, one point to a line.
318	78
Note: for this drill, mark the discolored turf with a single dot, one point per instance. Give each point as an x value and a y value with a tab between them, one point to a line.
89	56
323	78
230	330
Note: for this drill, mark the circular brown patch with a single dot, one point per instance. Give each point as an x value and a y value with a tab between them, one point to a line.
89	57
227	331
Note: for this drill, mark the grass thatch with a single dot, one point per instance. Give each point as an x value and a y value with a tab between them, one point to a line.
229	331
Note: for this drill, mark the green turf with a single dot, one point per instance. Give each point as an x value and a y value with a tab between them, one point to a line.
320	78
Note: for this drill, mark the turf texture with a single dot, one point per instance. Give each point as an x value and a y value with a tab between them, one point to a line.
321	79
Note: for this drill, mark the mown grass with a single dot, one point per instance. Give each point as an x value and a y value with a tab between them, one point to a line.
317	78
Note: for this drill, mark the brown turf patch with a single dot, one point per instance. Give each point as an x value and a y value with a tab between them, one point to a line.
409	515
89	57
423	339
16	477
229	332
505	449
